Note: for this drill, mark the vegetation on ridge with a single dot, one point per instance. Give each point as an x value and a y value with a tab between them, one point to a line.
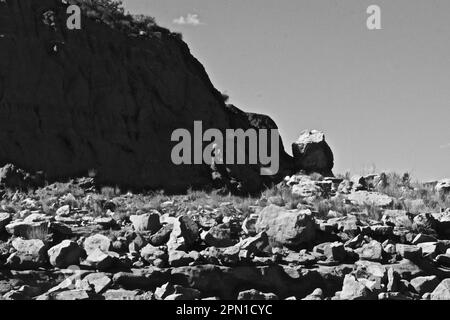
112	13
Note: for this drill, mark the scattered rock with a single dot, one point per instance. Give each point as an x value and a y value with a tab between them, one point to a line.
33	247
426	284
95	242
256	295
354	290
5	218
146	222
372	251
189	230
397	218
151	254
162	236
423	238
218	236
312	154
442	291
28	230
63	211
179	258
65	254
98	282
376	199
425	223
100	260
290	228
71	295
443	186
121	294
410	252
176	292
315	295
106	222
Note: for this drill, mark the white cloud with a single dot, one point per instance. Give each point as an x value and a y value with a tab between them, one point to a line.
190	19
445	146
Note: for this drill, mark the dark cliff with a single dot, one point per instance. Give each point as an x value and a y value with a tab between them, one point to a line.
98	98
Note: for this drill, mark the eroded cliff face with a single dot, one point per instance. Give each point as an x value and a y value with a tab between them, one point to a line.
76	100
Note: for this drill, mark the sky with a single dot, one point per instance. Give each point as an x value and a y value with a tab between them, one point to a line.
382	97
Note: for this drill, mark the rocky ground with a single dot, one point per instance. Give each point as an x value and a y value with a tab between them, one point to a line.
311	238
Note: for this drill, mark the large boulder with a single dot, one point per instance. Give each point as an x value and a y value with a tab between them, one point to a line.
354	290
105	99
290	228
30	254
65	254
312	153
443	186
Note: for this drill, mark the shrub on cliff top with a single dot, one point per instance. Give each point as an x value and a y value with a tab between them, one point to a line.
112	13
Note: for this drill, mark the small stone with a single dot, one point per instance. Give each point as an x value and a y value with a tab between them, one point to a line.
390	248
397	218
443	186
99	282
443	260
407	269
337	251
162	236
179	258
28	230
356	242
256	295
248	225
301	258
430	248
372	271
100	260
189	230
381	231
169	291
218	236
150	253
71	295
5	218
37	217
230	256
426	296
106	222
410	252
393	280
315	295
392	296
63	211
121	294
421	238
255	244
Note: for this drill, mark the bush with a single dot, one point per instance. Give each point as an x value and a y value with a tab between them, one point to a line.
112	13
